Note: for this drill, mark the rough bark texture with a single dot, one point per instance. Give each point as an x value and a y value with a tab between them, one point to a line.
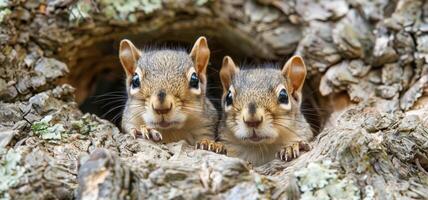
368	58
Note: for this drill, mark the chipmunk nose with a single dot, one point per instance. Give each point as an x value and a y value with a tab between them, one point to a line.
161	96
252	118
162	105
253	123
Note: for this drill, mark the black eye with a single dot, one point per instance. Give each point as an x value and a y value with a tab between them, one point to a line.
135	82
229	99
283	97
194	81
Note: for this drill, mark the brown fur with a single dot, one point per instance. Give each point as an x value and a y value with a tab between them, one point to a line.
258	87
169	71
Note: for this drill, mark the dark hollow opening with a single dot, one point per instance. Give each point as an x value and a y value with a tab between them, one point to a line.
99	77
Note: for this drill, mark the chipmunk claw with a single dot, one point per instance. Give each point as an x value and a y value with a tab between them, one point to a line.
292	151
150	134
135	133
287	154
211	145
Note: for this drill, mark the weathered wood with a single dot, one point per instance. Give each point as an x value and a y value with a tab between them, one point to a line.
368	65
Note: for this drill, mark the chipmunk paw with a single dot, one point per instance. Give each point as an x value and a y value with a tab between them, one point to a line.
135	133
292	151
147	133
211	145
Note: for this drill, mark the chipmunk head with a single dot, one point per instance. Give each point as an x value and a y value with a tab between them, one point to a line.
260	104
165	86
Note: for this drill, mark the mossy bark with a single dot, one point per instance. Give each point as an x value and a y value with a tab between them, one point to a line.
367	61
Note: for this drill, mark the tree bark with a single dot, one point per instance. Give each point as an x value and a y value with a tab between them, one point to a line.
368	67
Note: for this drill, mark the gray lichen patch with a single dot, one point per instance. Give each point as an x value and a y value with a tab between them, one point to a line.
84	125
4	10
10	170
80	11
4	13
52	128
116	10
321	181
201	2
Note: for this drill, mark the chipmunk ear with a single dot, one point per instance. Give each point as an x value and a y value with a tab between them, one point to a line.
228	70
295	71
200	55
129	56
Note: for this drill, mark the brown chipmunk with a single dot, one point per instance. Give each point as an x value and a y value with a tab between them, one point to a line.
261	117
167	95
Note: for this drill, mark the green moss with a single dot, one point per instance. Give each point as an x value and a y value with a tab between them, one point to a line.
46	131
320	181
10	170
83	126
38	127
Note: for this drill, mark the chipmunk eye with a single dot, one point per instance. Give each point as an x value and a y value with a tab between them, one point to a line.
135	82
283	97
194	81
229	99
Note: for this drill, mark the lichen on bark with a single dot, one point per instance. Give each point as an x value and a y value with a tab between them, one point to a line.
367	62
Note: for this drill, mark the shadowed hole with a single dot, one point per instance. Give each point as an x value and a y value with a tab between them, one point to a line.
98	77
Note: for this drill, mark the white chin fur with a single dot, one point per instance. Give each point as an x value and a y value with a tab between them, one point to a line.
265	130
177	118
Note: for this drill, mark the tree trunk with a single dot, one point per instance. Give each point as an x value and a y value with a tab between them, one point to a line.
368	72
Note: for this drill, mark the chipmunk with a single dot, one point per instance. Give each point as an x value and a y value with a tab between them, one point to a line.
261	111
167	95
